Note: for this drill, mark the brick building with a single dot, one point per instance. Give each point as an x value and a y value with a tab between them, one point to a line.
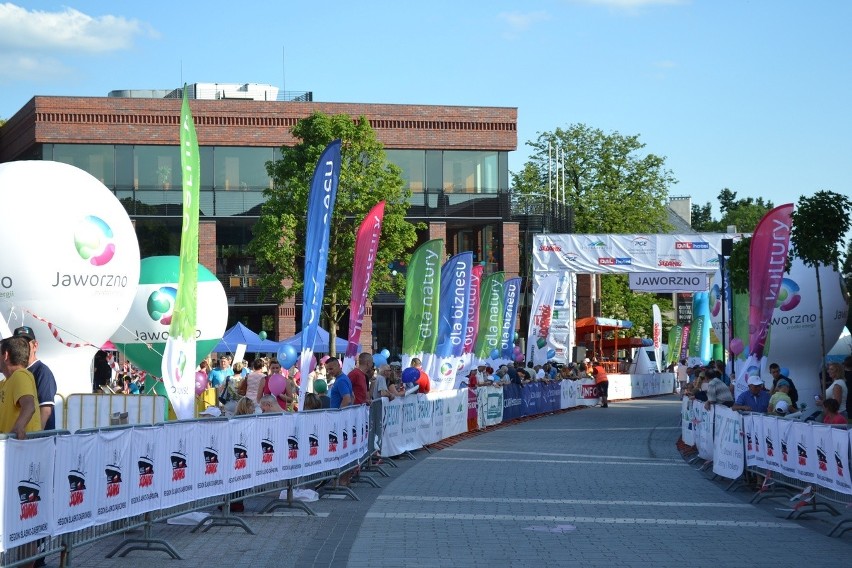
454	159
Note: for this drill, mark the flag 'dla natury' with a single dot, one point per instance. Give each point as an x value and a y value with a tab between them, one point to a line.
490	318
422	291
178	365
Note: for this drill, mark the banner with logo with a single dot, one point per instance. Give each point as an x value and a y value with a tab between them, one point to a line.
838	459
804	450
295	428
74	505
728	452
758	439
541	317
616	254
179	354
663	283
323	193
657	336
241	453
422	291
472	319
490	318
267	454
675	335
787	459
699	331
183	464
150	469
490	399
771	444
568	394
704	431
212	452
112	467
312	436
27	474
562	330
366	246
770	243
511	299
452	320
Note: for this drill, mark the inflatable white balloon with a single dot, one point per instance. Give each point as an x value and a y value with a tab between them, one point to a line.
70	264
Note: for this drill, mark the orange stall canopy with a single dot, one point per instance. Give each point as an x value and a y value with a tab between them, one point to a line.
590	331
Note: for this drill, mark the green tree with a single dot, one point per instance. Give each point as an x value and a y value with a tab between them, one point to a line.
819	225
744	214
619	301
366	177
702	218
610	185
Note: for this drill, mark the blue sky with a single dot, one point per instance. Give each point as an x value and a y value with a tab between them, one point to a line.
750	95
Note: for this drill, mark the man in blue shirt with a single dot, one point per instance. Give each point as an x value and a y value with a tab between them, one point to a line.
218	376
44	379
755	399
341	394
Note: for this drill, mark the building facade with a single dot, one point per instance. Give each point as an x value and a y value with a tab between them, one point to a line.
453	158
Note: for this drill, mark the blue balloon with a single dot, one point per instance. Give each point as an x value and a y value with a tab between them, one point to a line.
785	371
287	356
551	353
495	353
410	375
379	360
385	353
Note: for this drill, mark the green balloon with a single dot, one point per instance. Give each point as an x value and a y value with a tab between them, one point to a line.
262	335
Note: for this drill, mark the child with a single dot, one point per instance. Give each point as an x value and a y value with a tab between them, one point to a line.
830	414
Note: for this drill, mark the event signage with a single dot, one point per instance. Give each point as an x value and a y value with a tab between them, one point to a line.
490	317
617	254
541	318
452	320
661	282
472	317
511	297
422	293
366	246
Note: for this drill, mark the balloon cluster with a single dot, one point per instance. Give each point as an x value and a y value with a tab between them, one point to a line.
381	358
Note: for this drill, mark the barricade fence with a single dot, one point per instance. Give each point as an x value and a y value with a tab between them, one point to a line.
76	488
808	458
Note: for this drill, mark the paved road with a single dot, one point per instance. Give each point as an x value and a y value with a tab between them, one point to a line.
589	487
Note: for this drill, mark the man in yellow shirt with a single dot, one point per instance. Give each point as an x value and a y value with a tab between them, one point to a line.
18	393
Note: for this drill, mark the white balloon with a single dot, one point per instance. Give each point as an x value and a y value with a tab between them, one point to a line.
70	263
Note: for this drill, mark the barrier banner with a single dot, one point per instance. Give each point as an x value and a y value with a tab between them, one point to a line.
704	431
748	432
788	447
268	455
687	434
728	456
568	394
111	472
74	505
531	397
512	403
305	453
588	394
149	470
237	464
437	412
28	475
214	443
391	427
550	394
826	457
333	440
771	443
473	406
454	412
490	400
840	440
758	439
803	444
183	465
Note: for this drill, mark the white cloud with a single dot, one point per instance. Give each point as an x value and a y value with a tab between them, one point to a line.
16	67
521	22
65	31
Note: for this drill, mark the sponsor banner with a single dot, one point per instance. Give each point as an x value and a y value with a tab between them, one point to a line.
487	346
748	432
587	393
687	434
452	320
490	400
182	465
829	470
728	454
512	403
366	245
788	447
568	394
475	419
615	254
74	505
541	320
531	399
268	456
511	299
240	475
771	443
149	469
400	426
213	439
472	319
661	282
305	453
562	330
112	475
657	336
804	451
551	395
332	443
840	440
28	482
422	291
704	431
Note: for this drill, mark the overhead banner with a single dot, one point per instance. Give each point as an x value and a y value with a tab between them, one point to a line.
663	283
617	254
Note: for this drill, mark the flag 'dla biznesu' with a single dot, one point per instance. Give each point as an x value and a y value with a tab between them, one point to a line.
511	298
422	290
487	347
541	317
178	366
452	322
323	194
366	246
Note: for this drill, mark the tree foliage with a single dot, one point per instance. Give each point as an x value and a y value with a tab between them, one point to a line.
610	185
366	178
744	214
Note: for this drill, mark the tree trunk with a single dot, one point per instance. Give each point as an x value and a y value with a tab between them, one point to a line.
822	378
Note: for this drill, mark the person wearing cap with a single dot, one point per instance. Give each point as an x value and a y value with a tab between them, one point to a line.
782	394
44	379
755	399
18	394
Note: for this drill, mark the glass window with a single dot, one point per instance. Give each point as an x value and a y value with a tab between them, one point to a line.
470	172
156	167
243	169
434	170
97	159
413	165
